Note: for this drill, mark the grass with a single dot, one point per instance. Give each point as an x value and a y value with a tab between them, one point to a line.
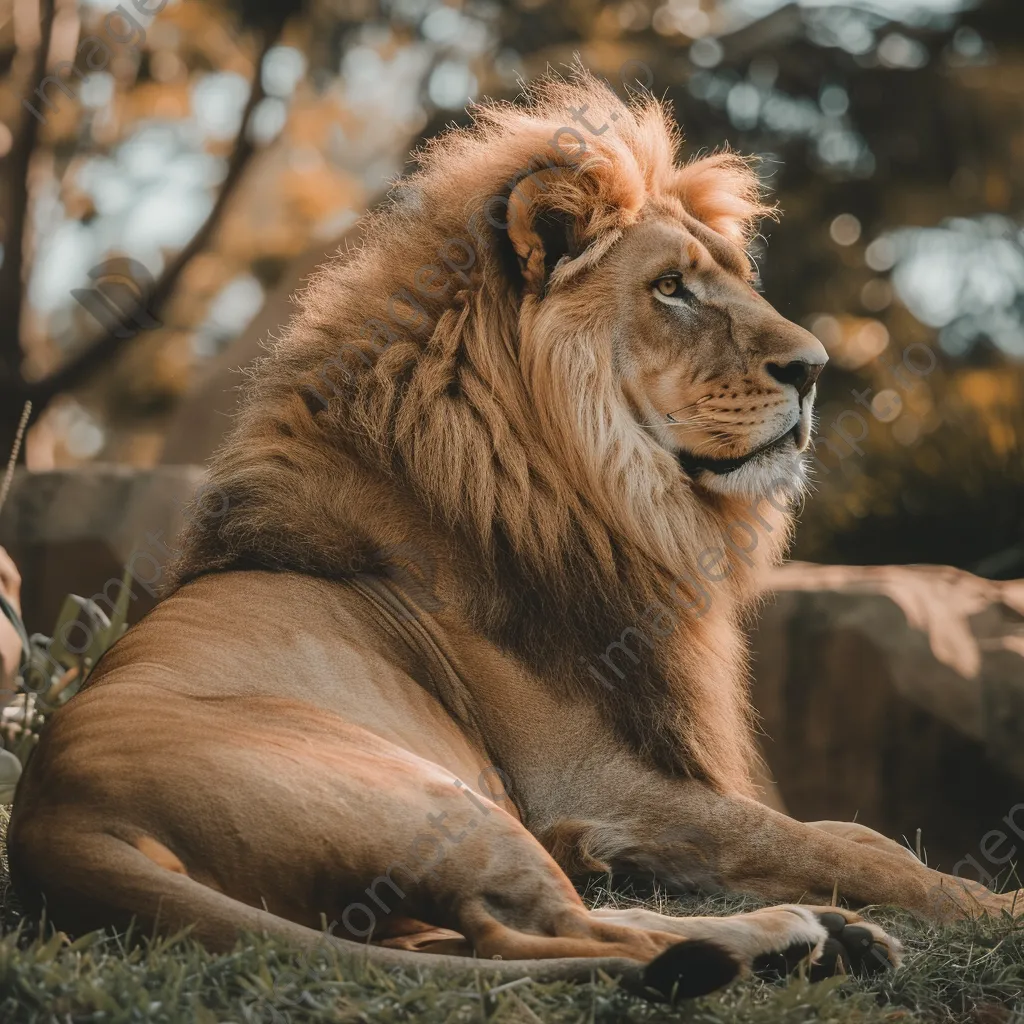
971	972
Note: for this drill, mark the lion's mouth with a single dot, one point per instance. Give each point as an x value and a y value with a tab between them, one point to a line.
693	464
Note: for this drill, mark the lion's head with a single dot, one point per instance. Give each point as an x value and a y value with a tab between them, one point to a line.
692	355
547	364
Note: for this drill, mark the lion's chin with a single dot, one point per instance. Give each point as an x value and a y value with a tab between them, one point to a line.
779	475
774	470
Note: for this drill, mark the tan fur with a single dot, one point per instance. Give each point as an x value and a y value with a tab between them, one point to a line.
467	530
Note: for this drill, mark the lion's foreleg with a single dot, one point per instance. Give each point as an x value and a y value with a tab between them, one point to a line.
690	836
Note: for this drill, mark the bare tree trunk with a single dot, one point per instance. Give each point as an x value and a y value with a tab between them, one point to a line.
18	164
102	350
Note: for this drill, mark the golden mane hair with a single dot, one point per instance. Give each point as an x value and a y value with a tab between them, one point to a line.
426	392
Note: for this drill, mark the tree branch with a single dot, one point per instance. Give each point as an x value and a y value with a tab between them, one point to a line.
19	162
84	364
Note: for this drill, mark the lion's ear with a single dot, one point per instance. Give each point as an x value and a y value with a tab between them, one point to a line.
542	231
541	244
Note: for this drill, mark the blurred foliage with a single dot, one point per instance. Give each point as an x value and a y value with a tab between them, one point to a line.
941	482
891	133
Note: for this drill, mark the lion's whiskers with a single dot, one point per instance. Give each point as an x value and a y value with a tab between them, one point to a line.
696	418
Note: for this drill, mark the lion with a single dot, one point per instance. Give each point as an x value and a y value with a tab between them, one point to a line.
457	616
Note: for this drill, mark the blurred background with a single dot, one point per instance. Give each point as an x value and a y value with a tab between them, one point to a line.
182	171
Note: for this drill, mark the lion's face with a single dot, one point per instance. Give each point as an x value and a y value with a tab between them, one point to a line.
707	366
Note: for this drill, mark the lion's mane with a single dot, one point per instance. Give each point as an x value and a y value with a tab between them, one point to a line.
419	396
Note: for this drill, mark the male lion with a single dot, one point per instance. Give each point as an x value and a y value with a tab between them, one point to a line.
463	619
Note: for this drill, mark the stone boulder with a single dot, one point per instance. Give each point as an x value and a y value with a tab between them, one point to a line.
896	694
75	531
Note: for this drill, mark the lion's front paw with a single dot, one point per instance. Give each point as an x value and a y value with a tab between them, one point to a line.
953	899
854	945
848	945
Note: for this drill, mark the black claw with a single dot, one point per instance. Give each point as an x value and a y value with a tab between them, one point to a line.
856	937
858	941
876	960
851	945
833	961
834	923
687	969
772	966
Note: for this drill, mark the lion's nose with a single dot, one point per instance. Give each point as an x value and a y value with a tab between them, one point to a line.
798	373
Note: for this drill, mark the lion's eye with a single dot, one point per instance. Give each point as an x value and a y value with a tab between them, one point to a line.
671	287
